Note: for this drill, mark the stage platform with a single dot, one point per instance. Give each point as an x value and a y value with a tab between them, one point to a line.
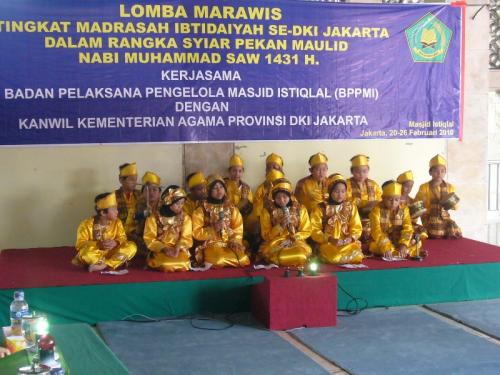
455	270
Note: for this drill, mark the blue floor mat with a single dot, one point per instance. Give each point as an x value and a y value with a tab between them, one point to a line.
402	341
483	315
175	347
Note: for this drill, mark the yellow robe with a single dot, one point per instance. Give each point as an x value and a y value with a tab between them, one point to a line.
140	219
361	195
215	248
365	195
89	234
234	193
172	232
391	229
278	248
261	199
310	192
191	205
340	222
437	220
126	210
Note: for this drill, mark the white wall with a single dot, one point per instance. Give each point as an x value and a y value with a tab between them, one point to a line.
46	191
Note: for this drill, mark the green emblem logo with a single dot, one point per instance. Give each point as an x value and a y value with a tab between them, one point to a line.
428	39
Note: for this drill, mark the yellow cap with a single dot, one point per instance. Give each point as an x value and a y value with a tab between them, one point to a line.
317	159
235	161
334	178
196	179
405	176
171	195
282	184
391	189
128	170
274	175
106	202
359	160
274	158
213	178
437	160
151	178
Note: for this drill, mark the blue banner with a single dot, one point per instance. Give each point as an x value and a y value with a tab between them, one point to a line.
194	71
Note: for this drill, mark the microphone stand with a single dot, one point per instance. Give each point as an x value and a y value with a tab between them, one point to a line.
417	256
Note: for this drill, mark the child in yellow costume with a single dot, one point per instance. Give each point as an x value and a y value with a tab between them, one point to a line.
146	206
219	225
274	171
406	181
239	192
127	197
168	233
439	197
363	192
101	241
313	190
285	226
336	226
197	186
391	229
262	198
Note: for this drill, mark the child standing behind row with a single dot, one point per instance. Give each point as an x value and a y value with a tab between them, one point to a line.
439	197
363	192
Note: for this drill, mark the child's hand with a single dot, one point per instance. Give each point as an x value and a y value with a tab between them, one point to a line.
169	251
233	245
108	244
348	240
4	352
219	226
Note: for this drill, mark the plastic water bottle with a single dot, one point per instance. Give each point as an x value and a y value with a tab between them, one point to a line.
18	309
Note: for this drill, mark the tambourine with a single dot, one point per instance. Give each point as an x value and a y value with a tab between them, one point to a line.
417	209
450	202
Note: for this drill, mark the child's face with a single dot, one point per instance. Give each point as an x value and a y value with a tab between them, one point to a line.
437	173
176	207
236	172
281	199
112	213
360	173
152	193
392	202
339	193
319	172
271	166
218	191
406	187
199	192
129	183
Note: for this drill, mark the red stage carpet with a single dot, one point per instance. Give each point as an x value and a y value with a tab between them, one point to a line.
47	267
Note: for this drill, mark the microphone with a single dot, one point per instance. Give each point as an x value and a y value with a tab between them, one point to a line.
286	213
221	217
